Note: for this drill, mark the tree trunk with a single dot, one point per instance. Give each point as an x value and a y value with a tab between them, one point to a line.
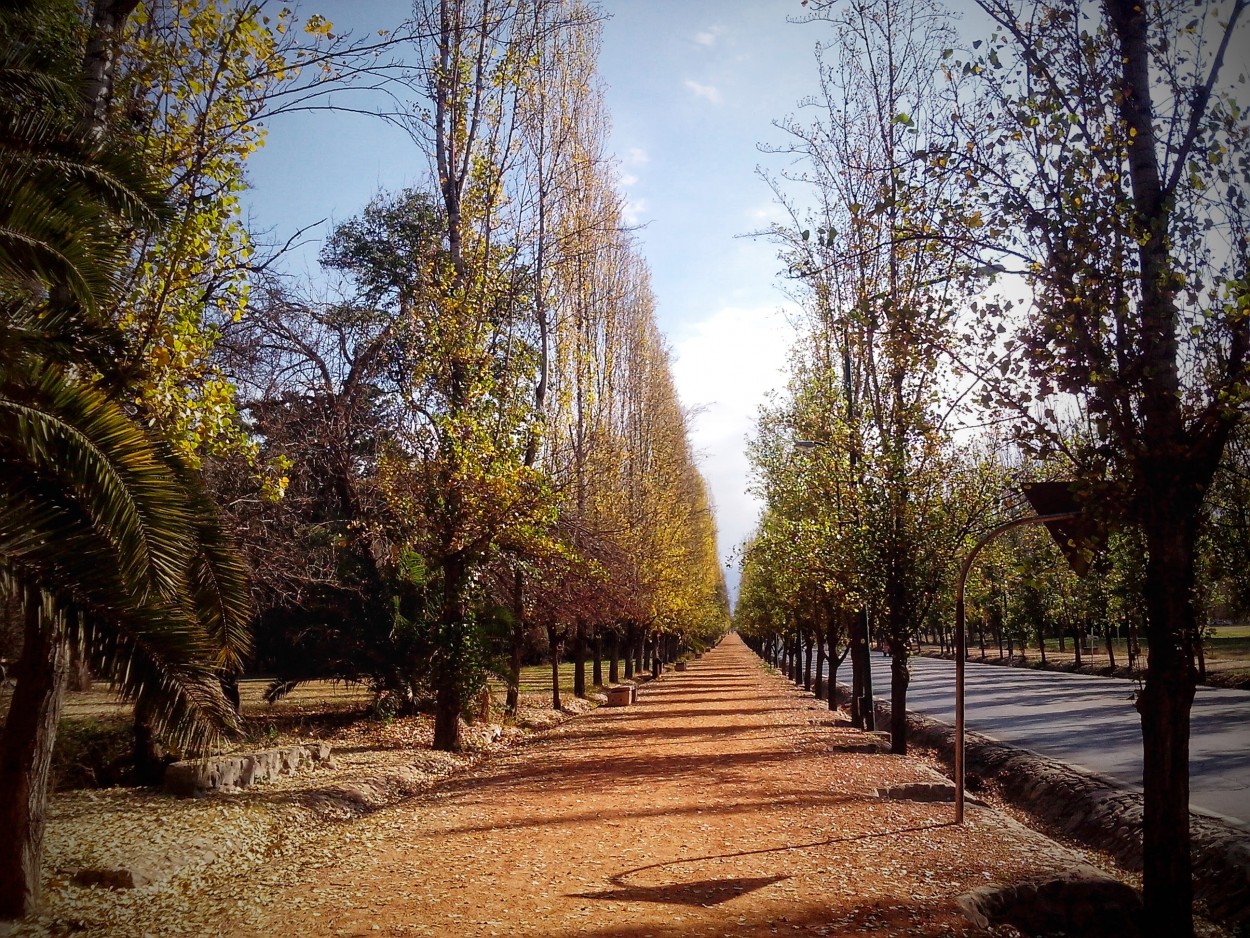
448	692
1110	643
857	646
900	678
448	705
596	656
26	758
108	18
614	655
1164	705
79	672
230	690
517	645
579	658
553	642
1041	644
808	648
832	688
819	685
148	754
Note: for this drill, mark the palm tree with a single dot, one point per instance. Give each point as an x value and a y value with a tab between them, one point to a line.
107	541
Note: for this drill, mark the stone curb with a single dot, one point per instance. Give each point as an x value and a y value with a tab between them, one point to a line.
1096	811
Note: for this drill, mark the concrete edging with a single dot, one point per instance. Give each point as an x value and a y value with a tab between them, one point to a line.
1095	811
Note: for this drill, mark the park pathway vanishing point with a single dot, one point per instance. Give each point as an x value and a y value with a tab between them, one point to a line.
725	802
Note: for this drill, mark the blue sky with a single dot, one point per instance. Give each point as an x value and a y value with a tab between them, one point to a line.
693	86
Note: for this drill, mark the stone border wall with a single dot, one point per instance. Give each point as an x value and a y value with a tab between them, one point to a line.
240	770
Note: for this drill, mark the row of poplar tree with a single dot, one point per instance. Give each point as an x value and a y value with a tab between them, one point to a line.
1019	246
457	443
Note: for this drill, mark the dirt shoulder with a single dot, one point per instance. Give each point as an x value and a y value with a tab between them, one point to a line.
725	802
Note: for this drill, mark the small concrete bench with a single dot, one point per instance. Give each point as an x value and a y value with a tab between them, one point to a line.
622	695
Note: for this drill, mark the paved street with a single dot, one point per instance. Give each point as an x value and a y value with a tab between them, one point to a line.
1088	721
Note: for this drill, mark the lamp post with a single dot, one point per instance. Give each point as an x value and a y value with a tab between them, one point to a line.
960	642
1072	530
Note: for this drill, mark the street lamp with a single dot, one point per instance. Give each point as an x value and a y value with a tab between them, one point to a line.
1070	527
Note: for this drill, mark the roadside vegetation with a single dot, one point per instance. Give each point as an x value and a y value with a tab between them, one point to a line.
452	452
1019	244
455	450
1226	654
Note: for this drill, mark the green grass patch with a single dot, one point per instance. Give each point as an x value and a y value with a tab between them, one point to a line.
1240	630
536	679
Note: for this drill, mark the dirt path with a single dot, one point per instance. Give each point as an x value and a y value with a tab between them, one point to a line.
724	803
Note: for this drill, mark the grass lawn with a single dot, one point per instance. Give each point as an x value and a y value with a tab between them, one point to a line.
101	704
536	678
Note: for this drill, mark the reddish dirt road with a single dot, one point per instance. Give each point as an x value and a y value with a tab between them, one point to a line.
725	802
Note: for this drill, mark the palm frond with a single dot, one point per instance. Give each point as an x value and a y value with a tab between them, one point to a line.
100	523
53	427
65	197
103	521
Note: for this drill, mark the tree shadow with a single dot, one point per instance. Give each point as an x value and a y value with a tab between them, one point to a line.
700	892
709	892
883	918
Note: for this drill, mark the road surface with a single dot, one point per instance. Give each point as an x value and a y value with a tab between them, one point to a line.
1088	721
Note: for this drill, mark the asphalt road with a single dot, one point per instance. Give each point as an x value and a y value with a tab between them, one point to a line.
1087	721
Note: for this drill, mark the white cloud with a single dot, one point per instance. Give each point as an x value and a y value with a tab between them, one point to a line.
710	92
767	214
707	37
632	211
627	179
723	367
636	156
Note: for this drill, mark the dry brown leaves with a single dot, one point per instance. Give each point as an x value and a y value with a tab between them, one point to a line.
725	803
